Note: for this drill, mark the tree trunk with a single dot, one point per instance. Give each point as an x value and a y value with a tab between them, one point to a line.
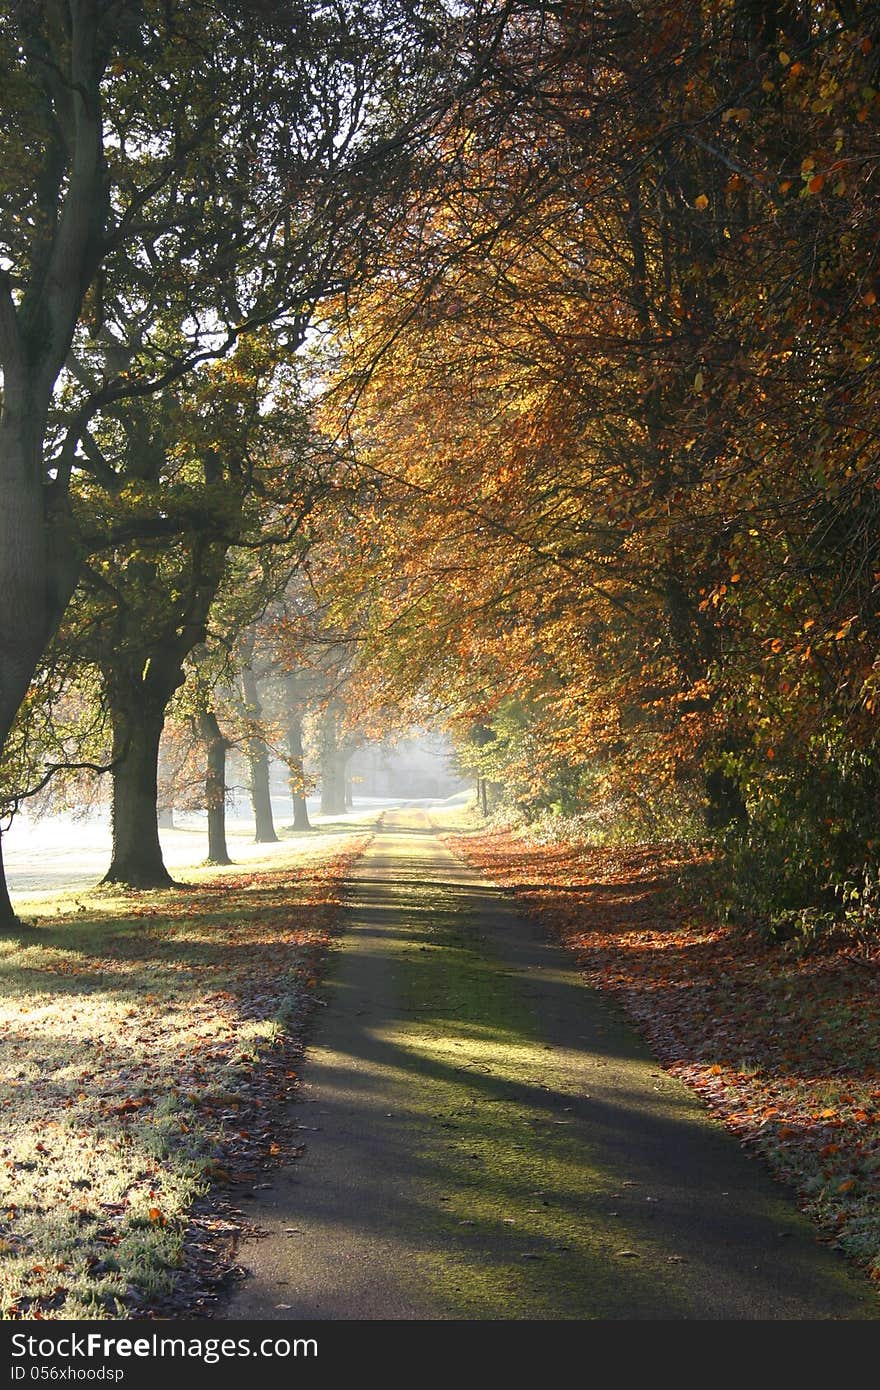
297	769
333	761
39	561
258	760
166	791
332	799
482	792
137	854
725	805
38	564
215	787
23	600
8	919
264	825
333	783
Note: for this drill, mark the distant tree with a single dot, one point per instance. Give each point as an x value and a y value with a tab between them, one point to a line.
255	744
232	473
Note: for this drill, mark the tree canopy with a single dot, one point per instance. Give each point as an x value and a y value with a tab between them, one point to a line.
586	306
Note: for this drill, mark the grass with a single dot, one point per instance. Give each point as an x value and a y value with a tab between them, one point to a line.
132	1024
784	1048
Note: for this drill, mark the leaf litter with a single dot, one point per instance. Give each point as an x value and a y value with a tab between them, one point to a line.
150	1051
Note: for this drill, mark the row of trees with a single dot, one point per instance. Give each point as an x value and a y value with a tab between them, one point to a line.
592	476
613	396
269	682
183	186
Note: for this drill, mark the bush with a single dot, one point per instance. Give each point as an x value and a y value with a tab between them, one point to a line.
804	862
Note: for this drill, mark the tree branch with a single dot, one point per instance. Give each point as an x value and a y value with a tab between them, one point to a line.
12	804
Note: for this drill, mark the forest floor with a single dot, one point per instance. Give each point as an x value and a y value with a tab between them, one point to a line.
485	1137
149	1042
783	1047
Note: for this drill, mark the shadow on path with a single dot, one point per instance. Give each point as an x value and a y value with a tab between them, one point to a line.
486	1138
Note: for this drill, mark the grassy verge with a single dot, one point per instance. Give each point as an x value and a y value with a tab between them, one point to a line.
133	1028
786	1050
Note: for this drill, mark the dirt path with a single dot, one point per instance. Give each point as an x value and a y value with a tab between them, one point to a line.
486	1138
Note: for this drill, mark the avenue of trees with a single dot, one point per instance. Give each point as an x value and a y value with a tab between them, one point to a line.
613	396
506	367
176	178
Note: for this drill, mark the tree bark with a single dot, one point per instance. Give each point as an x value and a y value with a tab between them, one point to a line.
332	789
38	560
264	825
166	792
297	769
334	757
36	578
332	782
137	854
215	787
8	919
258	760
38	573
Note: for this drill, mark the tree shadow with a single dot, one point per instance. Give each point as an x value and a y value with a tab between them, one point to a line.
424	1163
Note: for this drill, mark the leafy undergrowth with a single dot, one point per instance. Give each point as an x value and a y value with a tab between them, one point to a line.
146	1037
785	1050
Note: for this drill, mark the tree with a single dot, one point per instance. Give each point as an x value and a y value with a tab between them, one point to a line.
207	165
294	709
232	472
255	744
632	283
